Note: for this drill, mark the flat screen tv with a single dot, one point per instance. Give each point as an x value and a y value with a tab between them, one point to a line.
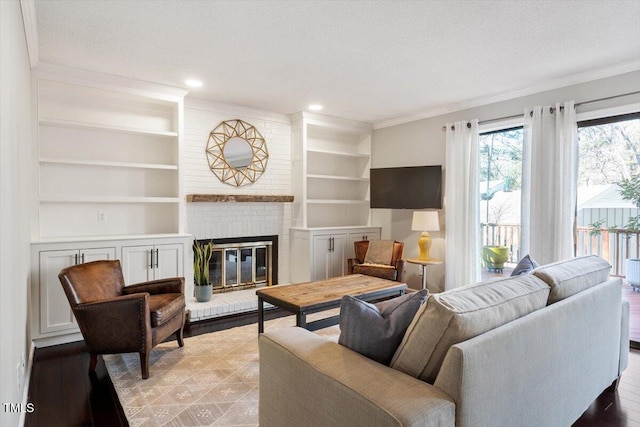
413	187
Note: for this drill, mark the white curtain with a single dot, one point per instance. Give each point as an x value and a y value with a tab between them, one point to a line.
462	205
549	177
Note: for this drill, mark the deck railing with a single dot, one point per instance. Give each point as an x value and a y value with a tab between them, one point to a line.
615	244
503	235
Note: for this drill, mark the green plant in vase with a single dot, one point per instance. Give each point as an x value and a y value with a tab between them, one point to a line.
201	256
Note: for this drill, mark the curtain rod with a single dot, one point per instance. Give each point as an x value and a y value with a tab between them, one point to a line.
579	104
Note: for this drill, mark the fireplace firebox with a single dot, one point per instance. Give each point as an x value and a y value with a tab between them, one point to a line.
243	262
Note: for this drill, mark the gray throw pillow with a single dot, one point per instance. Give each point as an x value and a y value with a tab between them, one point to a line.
376	330
524	266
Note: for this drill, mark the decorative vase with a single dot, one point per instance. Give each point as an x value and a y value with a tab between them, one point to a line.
203	292
632	269
494	257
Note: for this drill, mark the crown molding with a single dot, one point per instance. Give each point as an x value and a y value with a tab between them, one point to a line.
601	73
236	110
30	22
109	81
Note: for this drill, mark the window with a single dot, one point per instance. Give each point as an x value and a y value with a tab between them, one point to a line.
500	183
607	222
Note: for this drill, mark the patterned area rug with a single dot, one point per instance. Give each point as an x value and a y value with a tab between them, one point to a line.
211	381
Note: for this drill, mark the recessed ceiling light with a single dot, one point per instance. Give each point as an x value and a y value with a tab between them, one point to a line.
193	83
315	107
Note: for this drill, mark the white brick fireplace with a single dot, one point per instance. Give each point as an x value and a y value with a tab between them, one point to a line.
222	220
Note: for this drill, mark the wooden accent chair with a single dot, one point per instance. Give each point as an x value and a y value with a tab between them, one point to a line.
391	267
115	318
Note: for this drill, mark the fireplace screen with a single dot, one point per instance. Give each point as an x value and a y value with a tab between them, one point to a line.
240	265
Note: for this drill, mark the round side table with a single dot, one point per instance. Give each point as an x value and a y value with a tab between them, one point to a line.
424	263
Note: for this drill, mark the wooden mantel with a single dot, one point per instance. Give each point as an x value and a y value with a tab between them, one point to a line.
194	198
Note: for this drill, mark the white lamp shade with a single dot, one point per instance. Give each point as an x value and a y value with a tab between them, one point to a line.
425	221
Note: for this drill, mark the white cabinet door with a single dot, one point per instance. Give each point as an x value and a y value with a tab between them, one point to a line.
328	256
168	261
151	262
338	264
97	254
136	264
55	311
321	257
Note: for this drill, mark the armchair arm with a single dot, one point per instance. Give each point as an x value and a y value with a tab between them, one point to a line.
170	285
400	264
347	388
116	325
351	262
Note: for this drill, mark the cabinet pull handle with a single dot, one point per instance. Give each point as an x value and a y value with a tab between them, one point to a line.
151	252
75	259
157	258
333	243
82	259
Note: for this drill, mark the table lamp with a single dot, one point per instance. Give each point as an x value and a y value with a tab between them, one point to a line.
425	221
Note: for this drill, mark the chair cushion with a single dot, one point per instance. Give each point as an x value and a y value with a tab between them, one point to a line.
377	270
164	306
571	276
379	252
463	313
375	330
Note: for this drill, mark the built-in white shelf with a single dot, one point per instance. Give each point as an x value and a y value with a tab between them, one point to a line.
46	121
338	153
108	159
337	202
107	199
337	177
331	163
77	162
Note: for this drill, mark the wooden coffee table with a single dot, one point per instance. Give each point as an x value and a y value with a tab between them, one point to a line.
311	297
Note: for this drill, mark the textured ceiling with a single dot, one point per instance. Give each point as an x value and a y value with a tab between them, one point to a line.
366	60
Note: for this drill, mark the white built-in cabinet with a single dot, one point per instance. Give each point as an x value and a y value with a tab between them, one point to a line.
107	185
52	321
331	159
322	253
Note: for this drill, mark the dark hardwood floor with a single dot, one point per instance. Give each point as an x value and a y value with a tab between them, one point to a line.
64	394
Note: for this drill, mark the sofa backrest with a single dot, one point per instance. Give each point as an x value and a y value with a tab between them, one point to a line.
542	369
568	277
462	313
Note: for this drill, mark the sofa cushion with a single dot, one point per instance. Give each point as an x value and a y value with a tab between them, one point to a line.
571	276
375	330
462	313
164	306
378	270
524	266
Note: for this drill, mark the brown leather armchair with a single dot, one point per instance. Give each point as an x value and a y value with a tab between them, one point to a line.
361	264
115	318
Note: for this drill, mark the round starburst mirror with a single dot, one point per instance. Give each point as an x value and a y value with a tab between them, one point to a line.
237	153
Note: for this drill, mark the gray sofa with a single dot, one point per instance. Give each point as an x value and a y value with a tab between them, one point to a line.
534	350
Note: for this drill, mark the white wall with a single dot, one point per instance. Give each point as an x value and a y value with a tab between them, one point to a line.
422	142
15	143
223	220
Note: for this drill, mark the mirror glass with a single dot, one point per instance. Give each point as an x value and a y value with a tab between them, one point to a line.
237	152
